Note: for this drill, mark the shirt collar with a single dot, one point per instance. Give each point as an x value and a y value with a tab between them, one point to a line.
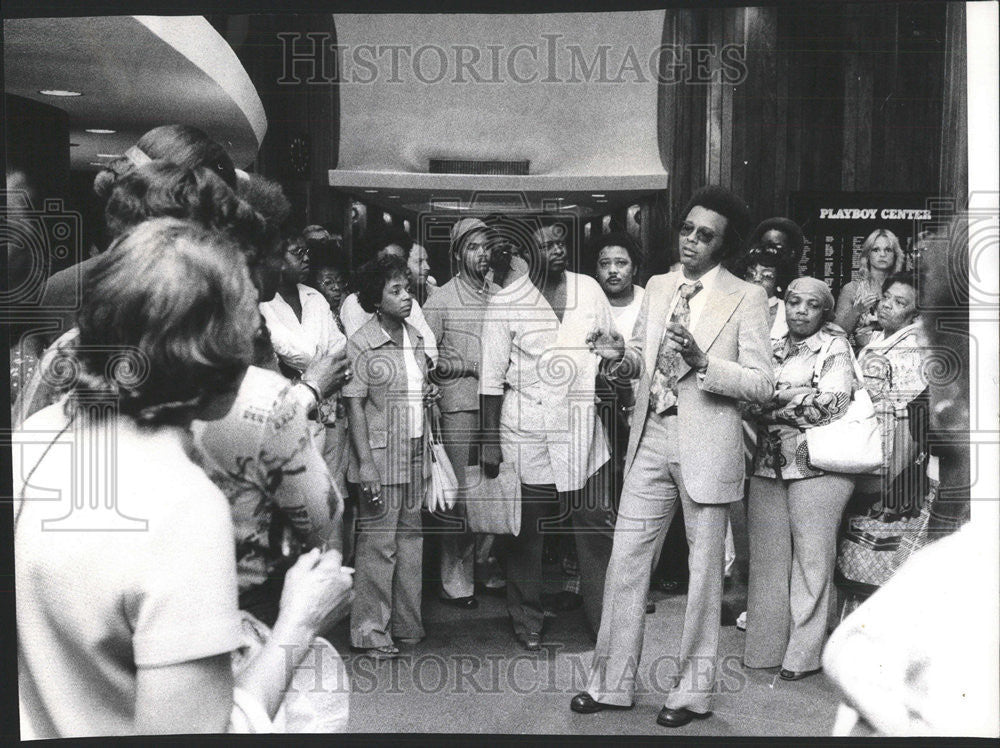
707	280
784	347
815	341
485	288
378	337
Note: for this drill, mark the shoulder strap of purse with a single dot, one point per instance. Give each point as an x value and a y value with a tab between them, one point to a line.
825	352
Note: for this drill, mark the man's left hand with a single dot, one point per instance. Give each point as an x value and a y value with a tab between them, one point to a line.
609	345
681	340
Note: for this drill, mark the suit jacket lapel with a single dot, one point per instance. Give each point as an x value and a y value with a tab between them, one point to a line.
719	307
720	304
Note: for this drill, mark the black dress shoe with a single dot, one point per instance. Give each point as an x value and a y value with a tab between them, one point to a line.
650	607
465	603
584	703
678	717
797	674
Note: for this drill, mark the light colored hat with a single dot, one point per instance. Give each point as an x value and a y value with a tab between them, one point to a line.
812	287
464	226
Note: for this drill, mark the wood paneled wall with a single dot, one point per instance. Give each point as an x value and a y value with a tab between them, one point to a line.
865	97
835	97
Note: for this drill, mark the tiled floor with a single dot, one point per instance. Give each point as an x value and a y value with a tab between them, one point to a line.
470	675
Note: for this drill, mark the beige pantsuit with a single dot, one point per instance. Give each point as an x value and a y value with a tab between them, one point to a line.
694	456
653	487
793	546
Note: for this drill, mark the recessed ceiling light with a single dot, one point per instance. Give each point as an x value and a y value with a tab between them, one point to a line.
59	92
109	155
99	131
597	194
600	201
371	192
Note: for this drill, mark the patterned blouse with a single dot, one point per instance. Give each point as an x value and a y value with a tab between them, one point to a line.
781	450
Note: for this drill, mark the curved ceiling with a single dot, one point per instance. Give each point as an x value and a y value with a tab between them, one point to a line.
134	73
532	89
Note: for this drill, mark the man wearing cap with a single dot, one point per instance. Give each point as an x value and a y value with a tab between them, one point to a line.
700	346
538	378
455	315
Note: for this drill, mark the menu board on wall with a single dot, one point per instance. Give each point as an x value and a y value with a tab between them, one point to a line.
836	224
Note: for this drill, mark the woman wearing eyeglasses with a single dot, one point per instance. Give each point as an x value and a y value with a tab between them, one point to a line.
299	318
301	326
772	262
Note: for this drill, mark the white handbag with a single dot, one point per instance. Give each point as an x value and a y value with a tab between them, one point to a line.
853	442
443	488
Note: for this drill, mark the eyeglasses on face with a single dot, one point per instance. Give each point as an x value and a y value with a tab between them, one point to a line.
703	235
760	275
552	243
298	250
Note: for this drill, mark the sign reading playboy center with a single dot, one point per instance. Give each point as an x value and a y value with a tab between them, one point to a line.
836	225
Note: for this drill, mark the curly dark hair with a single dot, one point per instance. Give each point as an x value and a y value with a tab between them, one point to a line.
267	197
785	262
731	207
614	239
372	277
168	321
905	277
796	239
382	237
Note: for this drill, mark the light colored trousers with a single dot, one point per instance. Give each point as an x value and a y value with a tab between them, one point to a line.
652	488
458	543
388	563
792	526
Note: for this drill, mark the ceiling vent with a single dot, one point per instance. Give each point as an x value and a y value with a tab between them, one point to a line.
457	166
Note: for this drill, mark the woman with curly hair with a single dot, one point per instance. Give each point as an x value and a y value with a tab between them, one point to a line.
136	608
390	461
857	306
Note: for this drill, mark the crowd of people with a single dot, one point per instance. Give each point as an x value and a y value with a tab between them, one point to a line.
276	408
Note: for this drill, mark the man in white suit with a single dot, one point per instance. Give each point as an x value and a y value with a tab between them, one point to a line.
700	346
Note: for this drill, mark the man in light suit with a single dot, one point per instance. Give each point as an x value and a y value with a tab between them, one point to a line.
700	346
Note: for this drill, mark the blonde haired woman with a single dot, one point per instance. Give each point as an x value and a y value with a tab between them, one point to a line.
856	312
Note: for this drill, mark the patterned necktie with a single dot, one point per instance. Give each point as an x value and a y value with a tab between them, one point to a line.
663	389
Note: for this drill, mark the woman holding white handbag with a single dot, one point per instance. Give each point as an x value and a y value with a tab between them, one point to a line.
390	460
794	506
